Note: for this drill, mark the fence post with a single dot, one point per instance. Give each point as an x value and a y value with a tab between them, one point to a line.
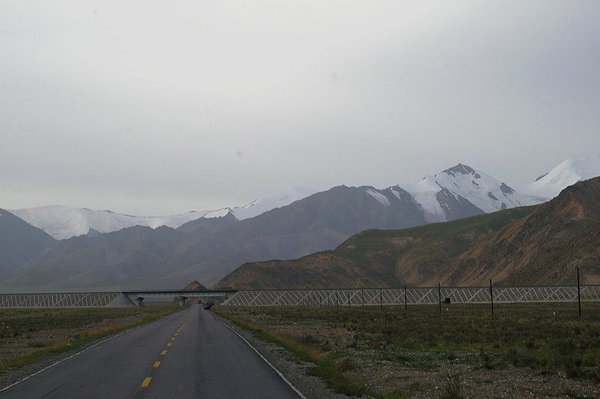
492	297
578	292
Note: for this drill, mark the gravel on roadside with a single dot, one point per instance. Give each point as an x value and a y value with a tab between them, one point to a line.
294	369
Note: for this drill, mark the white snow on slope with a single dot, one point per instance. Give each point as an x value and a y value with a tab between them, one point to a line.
482	190
266	204
562	176
64	222
424	192
382	199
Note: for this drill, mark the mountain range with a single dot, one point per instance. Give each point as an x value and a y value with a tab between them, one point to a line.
206	246
537	245
63	222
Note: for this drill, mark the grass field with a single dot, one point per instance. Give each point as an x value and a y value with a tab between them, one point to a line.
537	350
30	335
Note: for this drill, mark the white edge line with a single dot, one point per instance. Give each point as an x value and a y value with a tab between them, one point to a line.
63	360
279	373
76	354
72	356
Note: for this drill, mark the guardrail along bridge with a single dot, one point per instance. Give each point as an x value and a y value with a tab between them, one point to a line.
98	299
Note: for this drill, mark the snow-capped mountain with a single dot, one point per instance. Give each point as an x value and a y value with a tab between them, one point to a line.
63	222
216	242
462	183
454	193
462	191
262	205
567	173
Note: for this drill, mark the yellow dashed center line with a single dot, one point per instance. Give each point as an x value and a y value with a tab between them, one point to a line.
147	380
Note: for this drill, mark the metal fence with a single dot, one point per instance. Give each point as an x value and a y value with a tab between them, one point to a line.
58	300
94	299
326	297
411	296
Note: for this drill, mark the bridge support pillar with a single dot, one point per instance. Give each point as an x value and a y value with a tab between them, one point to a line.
140	301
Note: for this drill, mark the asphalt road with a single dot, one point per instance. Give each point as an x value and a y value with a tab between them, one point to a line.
190	354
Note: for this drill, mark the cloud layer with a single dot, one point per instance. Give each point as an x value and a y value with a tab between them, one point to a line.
165	107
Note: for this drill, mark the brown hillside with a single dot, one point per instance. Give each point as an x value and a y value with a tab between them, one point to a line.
543	248
377	258
194	286
524	246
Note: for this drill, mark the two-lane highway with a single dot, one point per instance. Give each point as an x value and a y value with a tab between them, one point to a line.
190	354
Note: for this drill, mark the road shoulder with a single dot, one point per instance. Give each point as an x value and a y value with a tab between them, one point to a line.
293	368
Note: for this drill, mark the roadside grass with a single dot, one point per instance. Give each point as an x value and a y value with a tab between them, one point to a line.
327	366
28	336
547	338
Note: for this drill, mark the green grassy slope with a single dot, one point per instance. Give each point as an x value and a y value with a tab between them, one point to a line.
415	256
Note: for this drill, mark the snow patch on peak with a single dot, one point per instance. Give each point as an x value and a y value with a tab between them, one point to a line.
63	222
382	199
562	176
262	205
482	190
425	193
476	187
250	204
219	213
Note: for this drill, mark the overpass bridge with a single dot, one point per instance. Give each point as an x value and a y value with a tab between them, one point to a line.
99	299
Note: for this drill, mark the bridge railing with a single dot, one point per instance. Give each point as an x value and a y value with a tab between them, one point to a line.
94	299
174	293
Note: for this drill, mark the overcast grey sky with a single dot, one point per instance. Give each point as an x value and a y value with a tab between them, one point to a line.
159	107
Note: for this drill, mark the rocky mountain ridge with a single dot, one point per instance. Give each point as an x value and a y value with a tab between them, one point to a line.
438	195
207	249
539	245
